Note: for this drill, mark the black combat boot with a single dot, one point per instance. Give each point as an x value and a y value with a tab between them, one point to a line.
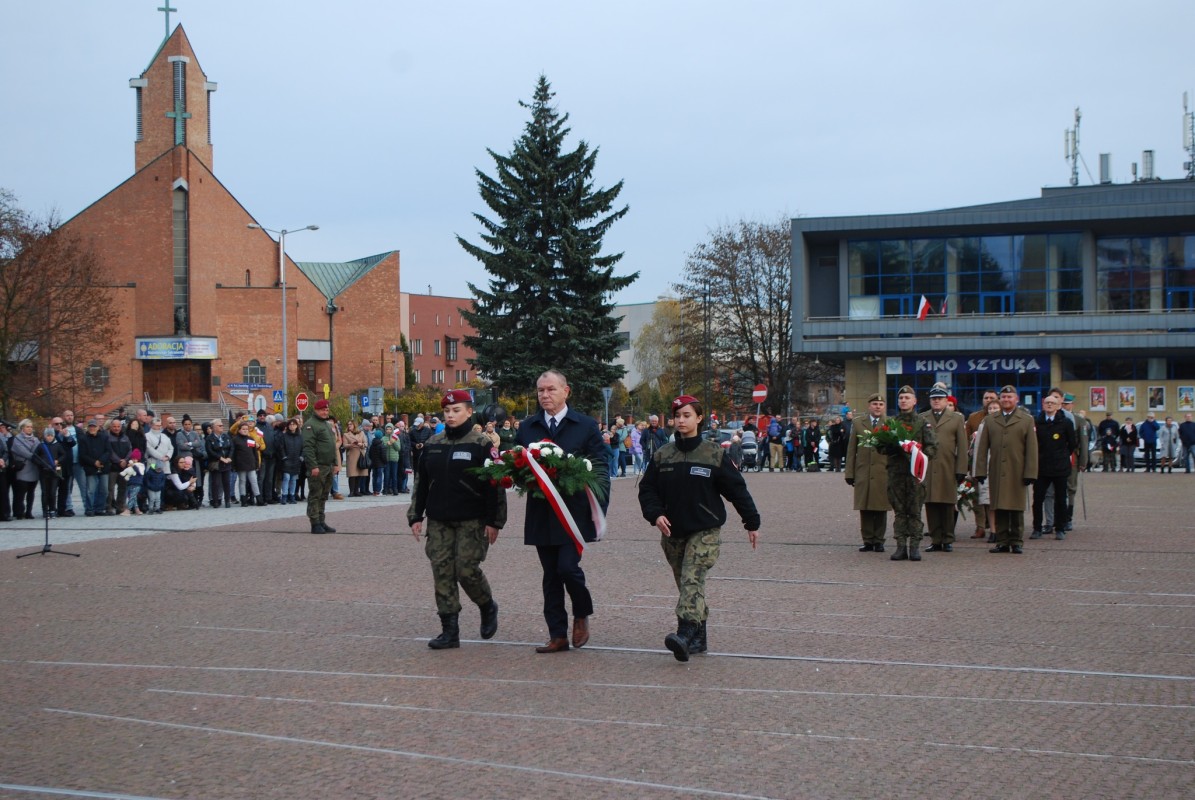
901	554
697	645
327	528
914	553
318	527
450	636
681	641
489	620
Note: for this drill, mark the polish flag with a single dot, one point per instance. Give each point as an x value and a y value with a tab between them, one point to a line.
923	308
943	311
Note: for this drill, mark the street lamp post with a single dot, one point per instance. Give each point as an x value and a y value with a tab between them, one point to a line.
282	284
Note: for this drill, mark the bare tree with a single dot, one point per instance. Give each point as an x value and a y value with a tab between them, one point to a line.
53	303
738	286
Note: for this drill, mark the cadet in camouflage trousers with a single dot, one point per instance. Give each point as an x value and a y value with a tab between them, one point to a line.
464	514
681	494
905	492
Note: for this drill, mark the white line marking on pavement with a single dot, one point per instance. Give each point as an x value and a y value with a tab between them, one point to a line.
473	762
1050	589
12	787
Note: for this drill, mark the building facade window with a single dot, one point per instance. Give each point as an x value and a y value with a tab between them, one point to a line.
462	376
254	372
1147	273
436	347
417	347
452	349
95	377
437	376
1038	273
418	379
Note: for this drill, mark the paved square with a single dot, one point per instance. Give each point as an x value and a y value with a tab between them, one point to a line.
255	660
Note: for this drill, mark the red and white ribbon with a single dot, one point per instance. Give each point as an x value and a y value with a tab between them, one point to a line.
556	501
918	461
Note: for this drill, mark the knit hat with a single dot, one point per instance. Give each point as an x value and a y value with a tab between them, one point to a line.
135	454
48	432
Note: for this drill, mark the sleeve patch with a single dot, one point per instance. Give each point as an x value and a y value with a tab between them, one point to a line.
701	472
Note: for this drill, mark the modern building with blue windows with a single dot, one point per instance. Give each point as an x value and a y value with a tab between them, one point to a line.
1091	288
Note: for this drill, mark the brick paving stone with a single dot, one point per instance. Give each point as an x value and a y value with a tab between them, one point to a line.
229	653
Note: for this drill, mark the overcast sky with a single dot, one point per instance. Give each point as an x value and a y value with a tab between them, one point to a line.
369	119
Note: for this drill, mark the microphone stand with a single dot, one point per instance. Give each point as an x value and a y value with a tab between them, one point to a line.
47	547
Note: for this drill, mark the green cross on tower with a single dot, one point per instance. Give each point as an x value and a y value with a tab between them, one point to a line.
167	9
178	115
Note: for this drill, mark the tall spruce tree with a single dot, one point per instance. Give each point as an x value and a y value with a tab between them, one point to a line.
549	302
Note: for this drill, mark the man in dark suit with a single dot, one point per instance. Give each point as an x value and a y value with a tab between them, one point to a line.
578	435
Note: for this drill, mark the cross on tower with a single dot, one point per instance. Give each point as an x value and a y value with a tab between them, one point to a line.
178	115
167	9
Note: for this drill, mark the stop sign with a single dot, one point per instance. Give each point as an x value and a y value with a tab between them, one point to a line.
301	401
760	393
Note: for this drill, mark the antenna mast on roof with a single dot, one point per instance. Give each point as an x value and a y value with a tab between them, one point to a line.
1071	146
1189	139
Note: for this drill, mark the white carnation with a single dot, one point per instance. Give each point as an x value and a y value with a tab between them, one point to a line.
588	465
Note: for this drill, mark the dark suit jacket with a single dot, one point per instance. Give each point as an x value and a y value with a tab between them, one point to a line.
579	435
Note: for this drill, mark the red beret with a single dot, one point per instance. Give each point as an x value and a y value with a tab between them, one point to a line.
320	404
456	396
684	400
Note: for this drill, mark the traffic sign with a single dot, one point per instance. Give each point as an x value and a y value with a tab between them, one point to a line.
365	401
301	401
278	396
760	393
277	408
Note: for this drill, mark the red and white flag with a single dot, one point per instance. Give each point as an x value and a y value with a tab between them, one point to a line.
943	311
918	461
923	308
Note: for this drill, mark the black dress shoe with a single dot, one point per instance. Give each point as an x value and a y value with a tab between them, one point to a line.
865	548
935	548
877	548
947	548
1017	549
1001	548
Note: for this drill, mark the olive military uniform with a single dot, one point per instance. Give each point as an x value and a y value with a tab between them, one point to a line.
458	507
905	492
685	481
319	450
867	472
1010	442
946	468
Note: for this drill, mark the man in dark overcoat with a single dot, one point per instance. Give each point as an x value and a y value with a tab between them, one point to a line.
578	435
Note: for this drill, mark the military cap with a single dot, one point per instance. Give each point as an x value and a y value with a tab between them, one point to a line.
456	396
1068	398
684	400
1008	389
937	391
906	389
874	397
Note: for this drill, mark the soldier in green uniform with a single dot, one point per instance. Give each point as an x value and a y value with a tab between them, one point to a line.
321	456
947	468
867	473
1008	437
681	494
464	515
905	492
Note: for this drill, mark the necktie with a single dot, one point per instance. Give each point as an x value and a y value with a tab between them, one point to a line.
874	422
552	427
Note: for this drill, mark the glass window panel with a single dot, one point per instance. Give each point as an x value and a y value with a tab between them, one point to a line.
1070	301
1034	251
863	258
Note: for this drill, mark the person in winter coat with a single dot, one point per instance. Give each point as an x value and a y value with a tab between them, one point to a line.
134	477
947	469
393	459
21	449
867	473
92	456
245	455
119	452
218	445
159	446
50	456
681	495
1149	441
355	446
1169	445
377	462
290	448
1056	442
1009	439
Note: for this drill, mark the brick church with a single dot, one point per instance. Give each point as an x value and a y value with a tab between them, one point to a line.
199	291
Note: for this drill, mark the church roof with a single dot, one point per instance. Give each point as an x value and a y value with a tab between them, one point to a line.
333	277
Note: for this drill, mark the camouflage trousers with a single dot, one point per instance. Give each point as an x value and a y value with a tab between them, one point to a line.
691	557
907	496
456	550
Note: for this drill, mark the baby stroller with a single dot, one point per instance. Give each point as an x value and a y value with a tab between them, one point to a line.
750	455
